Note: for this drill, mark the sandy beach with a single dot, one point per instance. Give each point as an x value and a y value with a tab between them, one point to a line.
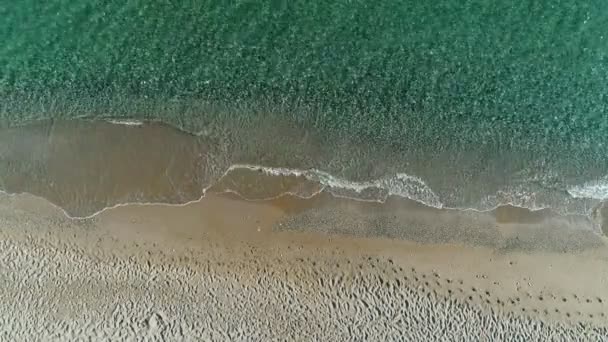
229	269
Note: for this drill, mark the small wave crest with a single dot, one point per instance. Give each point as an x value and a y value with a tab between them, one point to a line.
401	184
576	202
521	198
126	122
593	190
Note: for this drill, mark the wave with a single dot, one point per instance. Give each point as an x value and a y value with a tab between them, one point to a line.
401	184
126	122
414	188
593	190
410	187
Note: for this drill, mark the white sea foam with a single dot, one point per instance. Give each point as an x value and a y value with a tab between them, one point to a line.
401	184
594	190
516	197
126	122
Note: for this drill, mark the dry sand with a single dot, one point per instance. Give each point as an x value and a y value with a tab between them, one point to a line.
229	269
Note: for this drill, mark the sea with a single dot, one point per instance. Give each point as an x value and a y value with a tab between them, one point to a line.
457	105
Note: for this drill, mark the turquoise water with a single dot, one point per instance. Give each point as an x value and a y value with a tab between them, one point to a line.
486	103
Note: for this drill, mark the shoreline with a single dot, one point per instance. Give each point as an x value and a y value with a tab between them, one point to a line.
534	225
156	163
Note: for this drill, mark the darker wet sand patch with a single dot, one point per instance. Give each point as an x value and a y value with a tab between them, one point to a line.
509	214
603	217
408	220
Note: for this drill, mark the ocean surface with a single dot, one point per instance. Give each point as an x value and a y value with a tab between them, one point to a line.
453	104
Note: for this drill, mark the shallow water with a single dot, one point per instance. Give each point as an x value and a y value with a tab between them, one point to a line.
455	104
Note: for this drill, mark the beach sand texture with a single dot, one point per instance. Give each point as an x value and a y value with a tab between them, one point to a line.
225	269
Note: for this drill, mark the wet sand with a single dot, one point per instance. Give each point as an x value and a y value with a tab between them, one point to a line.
224	268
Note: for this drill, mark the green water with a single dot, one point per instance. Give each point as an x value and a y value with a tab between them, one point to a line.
477	98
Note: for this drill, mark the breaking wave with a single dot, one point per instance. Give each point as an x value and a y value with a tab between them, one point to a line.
401	184
593	190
